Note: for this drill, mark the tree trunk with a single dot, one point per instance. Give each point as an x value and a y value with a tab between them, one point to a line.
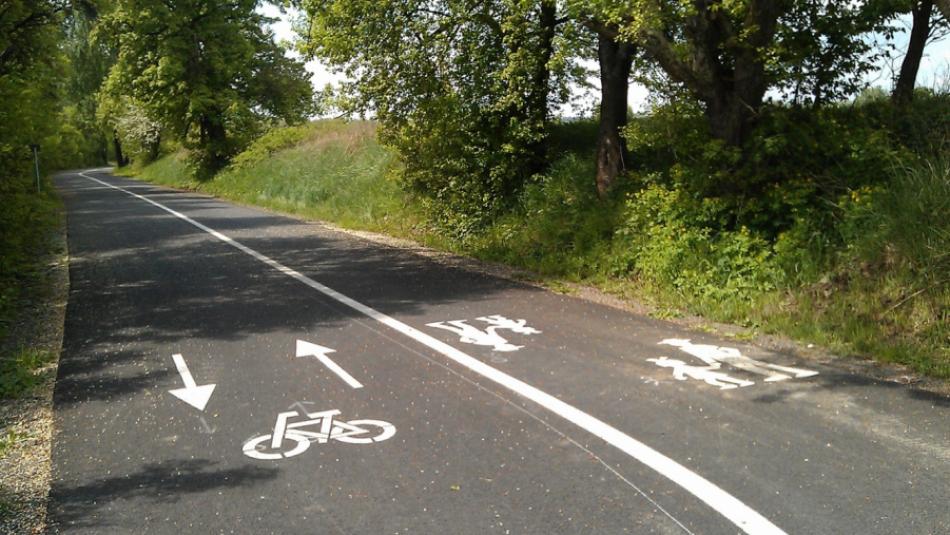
920	31
214	141
726	67
729	118
538	98
615	62
154	148
120	159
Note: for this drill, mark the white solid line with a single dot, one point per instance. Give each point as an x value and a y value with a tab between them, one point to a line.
339	371
740	514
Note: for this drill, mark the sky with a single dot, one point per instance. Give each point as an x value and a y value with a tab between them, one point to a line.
934	69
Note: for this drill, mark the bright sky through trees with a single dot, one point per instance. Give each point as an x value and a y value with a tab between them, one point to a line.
934	68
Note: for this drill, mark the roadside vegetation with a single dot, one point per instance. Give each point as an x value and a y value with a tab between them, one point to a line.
848	249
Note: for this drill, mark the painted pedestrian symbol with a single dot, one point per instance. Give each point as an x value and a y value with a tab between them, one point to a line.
470	334
683	371
714	357
290	437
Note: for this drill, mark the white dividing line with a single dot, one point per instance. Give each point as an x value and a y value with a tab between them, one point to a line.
740	514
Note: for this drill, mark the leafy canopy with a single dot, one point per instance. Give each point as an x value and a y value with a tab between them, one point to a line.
209	70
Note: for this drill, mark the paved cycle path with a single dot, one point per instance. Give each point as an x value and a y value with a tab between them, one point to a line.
435	399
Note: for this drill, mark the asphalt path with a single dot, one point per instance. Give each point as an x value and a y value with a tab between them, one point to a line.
532	412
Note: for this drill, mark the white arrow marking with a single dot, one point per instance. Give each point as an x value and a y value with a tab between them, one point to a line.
192	394
306	349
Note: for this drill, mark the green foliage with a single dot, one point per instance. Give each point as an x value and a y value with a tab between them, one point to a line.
274	141
19	372
823	50
138	132
559	227
667	240
26	222
461	92
209	70
904	224
31	112
329	170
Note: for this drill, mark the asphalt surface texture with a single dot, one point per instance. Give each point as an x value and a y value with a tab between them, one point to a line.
533	412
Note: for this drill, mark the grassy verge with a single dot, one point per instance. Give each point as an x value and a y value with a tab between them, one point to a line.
33	295
875	295
326	170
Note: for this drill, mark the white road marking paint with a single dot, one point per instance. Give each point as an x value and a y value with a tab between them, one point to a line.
683	371
192	394
489	337
740	514
306	349
352	432
714	356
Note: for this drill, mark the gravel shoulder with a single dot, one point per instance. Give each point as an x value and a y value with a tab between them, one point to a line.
26	423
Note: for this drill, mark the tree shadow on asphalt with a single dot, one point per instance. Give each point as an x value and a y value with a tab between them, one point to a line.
830	380
140	276
163	482
81	379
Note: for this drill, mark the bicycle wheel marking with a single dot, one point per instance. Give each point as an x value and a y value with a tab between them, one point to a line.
291	438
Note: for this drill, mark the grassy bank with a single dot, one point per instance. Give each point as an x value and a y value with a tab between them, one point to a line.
866	277
327	170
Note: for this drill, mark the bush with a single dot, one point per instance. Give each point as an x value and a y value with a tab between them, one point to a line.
668	241
559	227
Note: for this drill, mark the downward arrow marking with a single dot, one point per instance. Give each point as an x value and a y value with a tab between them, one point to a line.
306	349
192	394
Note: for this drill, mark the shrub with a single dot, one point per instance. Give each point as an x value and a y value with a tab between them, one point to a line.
668	241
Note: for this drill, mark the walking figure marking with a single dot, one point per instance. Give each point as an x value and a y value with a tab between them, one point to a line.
469	334
708	374
715	356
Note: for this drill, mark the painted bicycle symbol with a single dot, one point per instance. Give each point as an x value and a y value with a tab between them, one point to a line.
291	438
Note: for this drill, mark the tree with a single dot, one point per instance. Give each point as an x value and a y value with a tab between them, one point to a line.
30	65
615	59
25	32
207	69
823	52
135	134
922	28
461	89
89	61
719	50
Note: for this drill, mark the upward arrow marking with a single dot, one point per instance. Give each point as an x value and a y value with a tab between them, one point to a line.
192	394
306	349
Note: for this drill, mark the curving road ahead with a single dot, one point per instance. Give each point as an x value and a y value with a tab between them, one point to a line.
226	370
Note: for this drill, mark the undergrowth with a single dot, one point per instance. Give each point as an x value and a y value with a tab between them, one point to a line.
19	372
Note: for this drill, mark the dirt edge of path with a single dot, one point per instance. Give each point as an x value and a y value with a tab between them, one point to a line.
26	423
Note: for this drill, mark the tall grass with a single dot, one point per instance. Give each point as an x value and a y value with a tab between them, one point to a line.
327	170
27	221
